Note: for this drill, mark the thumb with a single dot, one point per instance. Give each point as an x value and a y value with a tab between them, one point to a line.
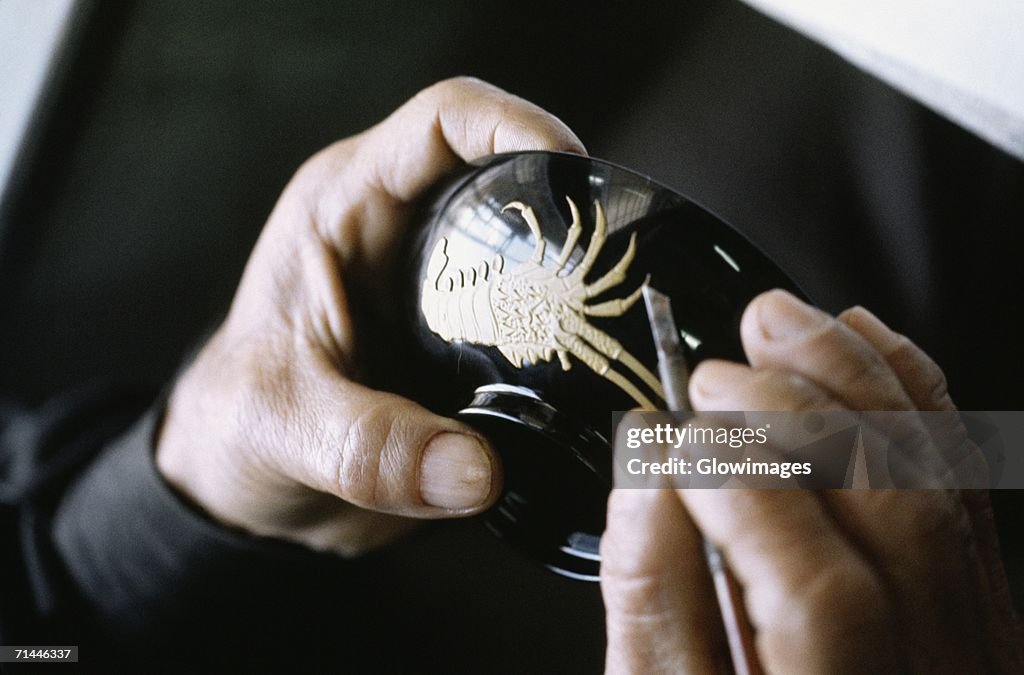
385	453
660	609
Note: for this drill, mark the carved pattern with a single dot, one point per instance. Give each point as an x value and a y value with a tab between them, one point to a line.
532	314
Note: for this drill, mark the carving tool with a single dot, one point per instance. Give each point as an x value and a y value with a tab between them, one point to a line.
675	378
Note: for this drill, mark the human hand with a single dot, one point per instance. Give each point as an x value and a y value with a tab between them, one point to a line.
841	581
274	427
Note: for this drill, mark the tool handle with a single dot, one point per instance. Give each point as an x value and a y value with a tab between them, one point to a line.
738	630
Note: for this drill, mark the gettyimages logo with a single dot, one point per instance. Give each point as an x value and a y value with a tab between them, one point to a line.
833	449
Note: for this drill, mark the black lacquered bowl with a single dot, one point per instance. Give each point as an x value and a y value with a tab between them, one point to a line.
527	307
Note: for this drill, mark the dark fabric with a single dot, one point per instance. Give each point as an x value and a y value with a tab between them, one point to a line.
40	453
106	556
182	122
173	561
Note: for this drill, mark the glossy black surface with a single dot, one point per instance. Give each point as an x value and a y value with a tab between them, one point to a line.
476	315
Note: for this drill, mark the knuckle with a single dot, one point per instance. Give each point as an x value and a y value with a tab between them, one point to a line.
359	458
790	391
938	386
452	86
630	595
844	596
323	185
314	168
848	365
633	585
922	368
902	348
462	82
931	518
428	95
324	165
831	334
379	456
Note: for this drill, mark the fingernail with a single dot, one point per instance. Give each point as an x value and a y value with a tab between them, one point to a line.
874	331
782	316
455	472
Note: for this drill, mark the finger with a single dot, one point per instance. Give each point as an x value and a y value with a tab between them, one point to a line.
1000	624
378	450
925	383
779	331
660	610
815	604
456	120
384	169
914	539
727	386
921	377
918	540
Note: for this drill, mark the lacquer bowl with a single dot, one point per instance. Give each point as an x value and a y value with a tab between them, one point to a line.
526	306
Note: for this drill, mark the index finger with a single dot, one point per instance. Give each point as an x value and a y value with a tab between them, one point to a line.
460	119
387	167
816	605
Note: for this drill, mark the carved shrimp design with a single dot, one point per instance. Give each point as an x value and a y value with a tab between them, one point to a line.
530	312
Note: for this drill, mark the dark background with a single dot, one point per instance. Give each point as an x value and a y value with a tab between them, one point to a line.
175	125
172	127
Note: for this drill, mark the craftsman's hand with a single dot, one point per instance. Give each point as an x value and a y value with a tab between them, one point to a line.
841	581
275	428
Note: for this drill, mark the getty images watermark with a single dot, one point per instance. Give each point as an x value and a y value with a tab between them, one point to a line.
833	449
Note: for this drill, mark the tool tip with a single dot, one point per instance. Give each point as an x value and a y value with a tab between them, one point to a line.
659	312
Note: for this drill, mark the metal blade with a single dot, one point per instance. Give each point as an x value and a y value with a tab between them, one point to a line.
672	368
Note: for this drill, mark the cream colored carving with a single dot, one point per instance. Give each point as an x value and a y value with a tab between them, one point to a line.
532	314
